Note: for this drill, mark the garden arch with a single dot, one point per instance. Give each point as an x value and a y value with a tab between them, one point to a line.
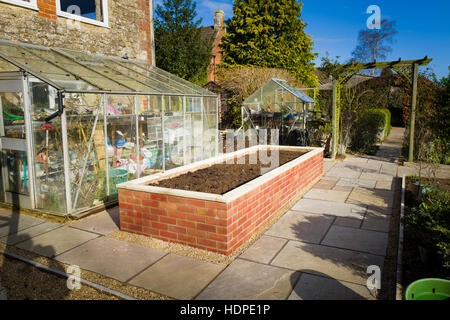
409	70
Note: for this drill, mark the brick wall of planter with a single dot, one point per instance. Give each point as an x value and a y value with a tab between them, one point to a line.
215	226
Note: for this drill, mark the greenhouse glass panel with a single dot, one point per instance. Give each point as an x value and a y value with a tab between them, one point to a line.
86	149
150	134
121	137
47	149
173	131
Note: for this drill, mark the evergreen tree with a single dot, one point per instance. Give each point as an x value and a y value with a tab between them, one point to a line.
267	33
178	44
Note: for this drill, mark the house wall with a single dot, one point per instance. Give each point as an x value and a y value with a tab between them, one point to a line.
219	25
128	32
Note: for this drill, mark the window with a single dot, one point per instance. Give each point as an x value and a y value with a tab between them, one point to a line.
88	11
23	3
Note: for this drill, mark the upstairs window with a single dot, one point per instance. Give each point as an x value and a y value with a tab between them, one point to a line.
88	11
23	3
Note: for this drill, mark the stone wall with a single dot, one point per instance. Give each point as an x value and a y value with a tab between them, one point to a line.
128	32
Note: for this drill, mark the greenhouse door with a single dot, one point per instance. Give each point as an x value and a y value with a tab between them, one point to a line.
16	167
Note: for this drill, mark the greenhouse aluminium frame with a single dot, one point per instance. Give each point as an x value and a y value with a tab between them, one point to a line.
87	122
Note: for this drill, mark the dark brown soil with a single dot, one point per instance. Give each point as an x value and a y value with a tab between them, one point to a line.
221	178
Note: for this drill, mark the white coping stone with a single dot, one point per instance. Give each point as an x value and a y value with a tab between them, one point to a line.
142	183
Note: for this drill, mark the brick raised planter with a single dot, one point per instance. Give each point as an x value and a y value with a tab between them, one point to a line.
219	223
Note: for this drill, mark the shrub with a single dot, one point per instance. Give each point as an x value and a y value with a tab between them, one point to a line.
368	130
387	126
431	224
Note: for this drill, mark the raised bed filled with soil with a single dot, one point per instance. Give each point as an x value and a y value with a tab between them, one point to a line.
219	203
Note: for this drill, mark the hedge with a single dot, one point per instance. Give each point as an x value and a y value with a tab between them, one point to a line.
373	126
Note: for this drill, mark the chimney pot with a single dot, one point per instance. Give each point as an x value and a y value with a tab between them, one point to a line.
219	19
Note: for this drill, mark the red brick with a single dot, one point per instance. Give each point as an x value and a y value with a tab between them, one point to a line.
161	226
177	229
196	203
206	227
207	243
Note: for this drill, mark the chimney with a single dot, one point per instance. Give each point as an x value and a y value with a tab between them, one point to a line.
219	19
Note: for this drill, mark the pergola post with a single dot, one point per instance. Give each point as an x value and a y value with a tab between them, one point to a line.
415	71
335	122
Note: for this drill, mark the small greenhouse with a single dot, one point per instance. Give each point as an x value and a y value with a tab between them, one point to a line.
73	125
279	105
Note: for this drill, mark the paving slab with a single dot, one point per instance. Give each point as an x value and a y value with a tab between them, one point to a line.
246	280
340	264
347	182
177	276
357	239
264	249
111	257
312	287
376	221
332	208
355	159
329	195
389	169
327	165
375	167
342	188
348	222
376	176
103	224
11	223
29	233
301	226
344	173
57	241
325	184
385	185
373	197
329	178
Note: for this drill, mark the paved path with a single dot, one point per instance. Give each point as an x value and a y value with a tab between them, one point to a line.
320	249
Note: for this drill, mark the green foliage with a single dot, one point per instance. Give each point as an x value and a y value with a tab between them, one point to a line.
269	34
431	224
387	124
432	127
178	44
367	131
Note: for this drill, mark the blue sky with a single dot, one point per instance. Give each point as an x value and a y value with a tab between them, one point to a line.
423	26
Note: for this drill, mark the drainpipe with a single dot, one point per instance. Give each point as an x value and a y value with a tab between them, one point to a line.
60	107
152	33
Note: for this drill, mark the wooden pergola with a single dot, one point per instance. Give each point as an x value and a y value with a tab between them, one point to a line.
409	70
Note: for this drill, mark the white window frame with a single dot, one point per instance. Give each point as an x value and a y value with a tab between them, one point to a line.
30	5
104	23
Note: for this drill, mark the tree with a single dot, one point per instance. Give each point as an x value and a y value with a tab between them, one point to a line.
374	44
178	44
264	33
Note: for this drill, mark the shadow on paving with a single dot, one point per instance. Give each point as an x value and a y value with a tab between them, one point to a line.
22	281
313	285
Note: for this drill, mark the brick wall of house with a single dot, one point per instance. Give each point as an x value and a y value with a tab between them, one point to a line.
128	32
214	226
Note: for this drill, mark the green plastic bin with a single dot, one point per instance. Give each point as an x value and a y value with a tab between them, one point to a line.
428	289
116	176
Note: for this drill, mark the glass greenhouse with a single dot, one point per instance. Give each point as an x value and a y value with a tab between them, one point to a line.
278	103
73	125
